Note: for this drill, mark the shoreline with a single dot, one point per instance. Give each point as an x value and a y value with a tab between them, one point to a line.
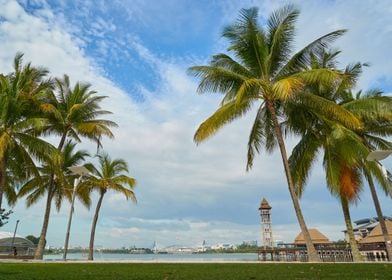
175	262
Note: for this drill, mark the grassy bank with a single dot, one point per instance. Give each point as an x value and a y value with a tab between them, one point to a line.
97	271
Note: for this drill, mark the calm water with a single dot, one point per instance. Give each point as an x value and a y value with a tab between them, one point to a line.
160	257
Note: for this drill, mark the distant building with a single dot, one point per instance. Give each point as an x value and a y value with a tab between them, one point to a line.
278	243
363	227
222	247
249	242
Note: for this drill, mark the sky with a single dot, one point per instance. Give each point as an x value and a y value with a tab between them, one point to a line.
137	52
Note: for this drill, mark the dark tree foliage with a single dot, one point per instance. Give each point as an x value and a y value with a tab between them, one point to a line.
4	216
33	239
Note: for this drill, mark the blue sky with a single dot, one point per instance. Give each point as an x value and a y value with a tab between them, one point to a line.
137	53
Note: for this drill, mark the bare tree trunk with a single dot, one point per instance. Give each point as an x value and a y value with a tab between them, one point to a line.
94	225
380	215
357	257
2	180
312	253
42	238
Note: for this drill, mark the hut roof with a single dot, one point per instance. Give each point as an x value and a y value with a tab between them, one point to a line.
376	235
316	236
264	204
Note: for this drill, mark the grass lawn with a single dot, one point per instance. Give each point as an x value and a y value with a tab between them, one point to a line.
117	271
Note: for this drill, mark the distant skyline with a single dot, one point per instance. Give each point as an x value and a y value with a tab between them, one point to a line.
137	53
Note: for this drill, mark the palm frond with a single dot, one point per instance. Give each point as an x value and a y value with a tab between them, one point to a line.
224	115
216	79
302	159
280	36
329	108
301	60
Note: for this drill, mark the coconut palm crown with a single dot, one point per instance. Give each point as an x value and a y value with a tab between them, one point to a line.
20	94
110	175
75	112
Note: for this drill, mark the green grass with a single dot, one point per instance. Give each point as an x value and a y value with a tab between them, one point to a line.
117	271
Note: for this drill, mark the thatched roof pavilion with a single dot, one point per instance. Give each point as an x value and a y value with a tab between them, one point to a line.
316	236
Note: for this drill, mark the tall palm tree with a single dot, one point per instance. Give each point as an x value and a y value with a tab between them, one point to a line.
264	71
72	113
55	187
344	148
108	176
20	92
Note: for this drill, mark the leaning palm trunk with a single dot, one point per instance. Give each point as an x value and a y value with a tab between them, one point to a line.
2	180
380	216
94	225
42	239
357	257
39	252
312	253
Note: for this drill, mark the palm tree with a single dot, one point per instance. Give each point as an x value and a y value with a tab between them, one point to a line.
72	113
344	148
56	181
109	176
375	109
343	152
265	71
20	93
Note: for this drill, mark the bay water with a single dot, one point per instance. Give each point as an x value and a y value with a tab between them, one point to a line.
232	257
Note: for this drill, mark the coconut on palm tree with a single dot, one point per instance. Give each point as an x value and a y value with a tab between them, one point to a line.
20	121
262	70
110	175
72	112
56	182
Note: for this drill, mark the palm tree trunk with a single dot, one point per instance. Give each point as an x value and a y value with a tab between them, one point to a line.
312	253
380	216
357	257
2	180
42	238
62	141
94	225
